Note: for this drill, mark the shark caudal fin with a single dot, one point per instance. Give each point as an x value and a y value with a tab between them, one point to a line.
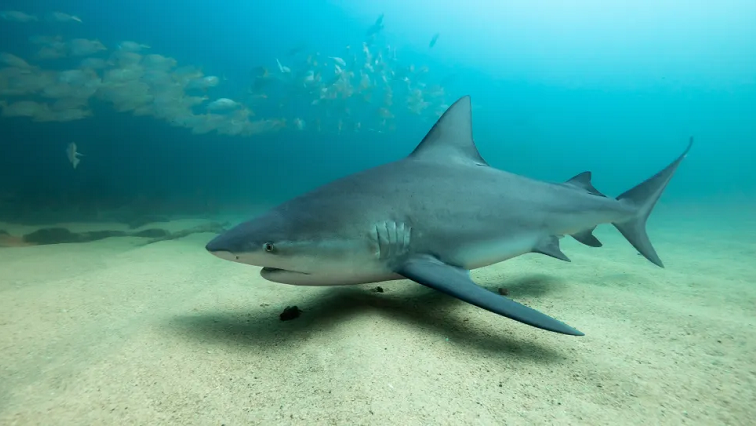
643	198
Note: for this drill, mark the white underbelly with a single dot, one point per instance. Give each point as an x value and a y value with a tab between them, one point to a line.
489	252
333	277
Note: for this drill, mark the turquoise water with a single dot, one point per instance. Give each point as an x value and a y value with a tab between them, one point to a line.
191	116
556	90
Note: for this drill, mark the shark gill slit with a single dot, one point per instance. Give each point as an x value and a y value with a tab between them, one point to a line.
392	238
391	233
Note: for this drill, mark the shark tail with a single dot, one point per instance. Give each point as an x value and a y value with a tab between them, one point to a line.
643	198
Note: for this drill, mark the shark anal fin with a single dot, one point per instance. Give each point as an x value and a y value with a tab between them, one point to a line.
456	282
586	237
583	181
550	247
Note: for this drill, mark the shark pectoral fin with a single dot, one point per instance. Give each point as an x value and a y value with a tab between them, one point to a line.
550	247
586	237
456	282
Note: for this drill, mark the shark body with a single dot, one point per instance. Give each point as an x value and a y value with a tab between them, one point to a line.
433	216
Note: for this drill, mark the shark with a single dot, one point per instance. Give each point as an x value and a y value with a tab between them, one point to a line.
434	216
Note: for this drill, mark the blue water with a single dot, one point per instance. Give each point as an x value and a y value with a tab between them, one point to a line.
124	331
556	90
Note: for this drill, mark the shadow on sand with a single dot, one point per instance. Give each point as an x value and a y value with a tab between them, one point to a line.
533	285
415	305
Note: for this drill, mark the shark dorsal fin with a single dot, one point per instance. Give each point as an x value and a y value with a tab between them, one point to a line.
450	139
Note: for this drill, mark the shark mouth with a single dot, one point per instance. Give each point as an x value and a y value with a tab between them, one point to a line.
269	270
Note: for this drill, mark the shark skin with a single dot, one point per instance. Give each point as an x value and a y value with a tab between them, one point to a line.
432	217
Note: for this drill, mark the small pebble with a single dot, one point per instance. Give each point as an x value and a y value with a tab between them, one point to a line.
503	291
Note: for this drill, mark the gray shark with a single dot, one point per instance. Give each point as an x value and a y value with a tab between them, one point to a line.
432	217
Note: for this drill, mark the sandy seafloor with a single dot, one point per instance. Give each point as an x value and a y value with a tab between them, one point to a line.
118	332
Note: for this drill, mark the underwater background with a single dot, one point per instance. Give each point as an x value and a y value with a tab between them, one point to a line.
165	122
557	88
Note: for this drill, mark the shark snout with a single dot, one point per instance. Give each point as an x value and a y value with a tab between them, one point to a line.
216	244
219	247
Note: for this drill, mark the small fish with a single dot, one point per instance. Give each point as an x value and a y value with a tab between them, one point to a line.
73	155
131	46
84	47
376	27
13	61
16	16
282	68
338	60
203	83
222	104
299	123
309	77
434	40
63	17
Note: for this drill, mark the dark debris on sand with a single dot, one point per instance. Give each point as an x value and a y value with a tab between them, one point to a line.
290	313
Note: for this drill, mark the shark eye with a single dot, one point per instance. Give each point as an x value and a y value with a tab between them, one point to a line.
268	247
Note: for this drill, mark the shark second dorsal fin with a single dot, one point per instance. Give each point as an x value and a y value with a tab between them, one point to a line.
583	181
450	139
